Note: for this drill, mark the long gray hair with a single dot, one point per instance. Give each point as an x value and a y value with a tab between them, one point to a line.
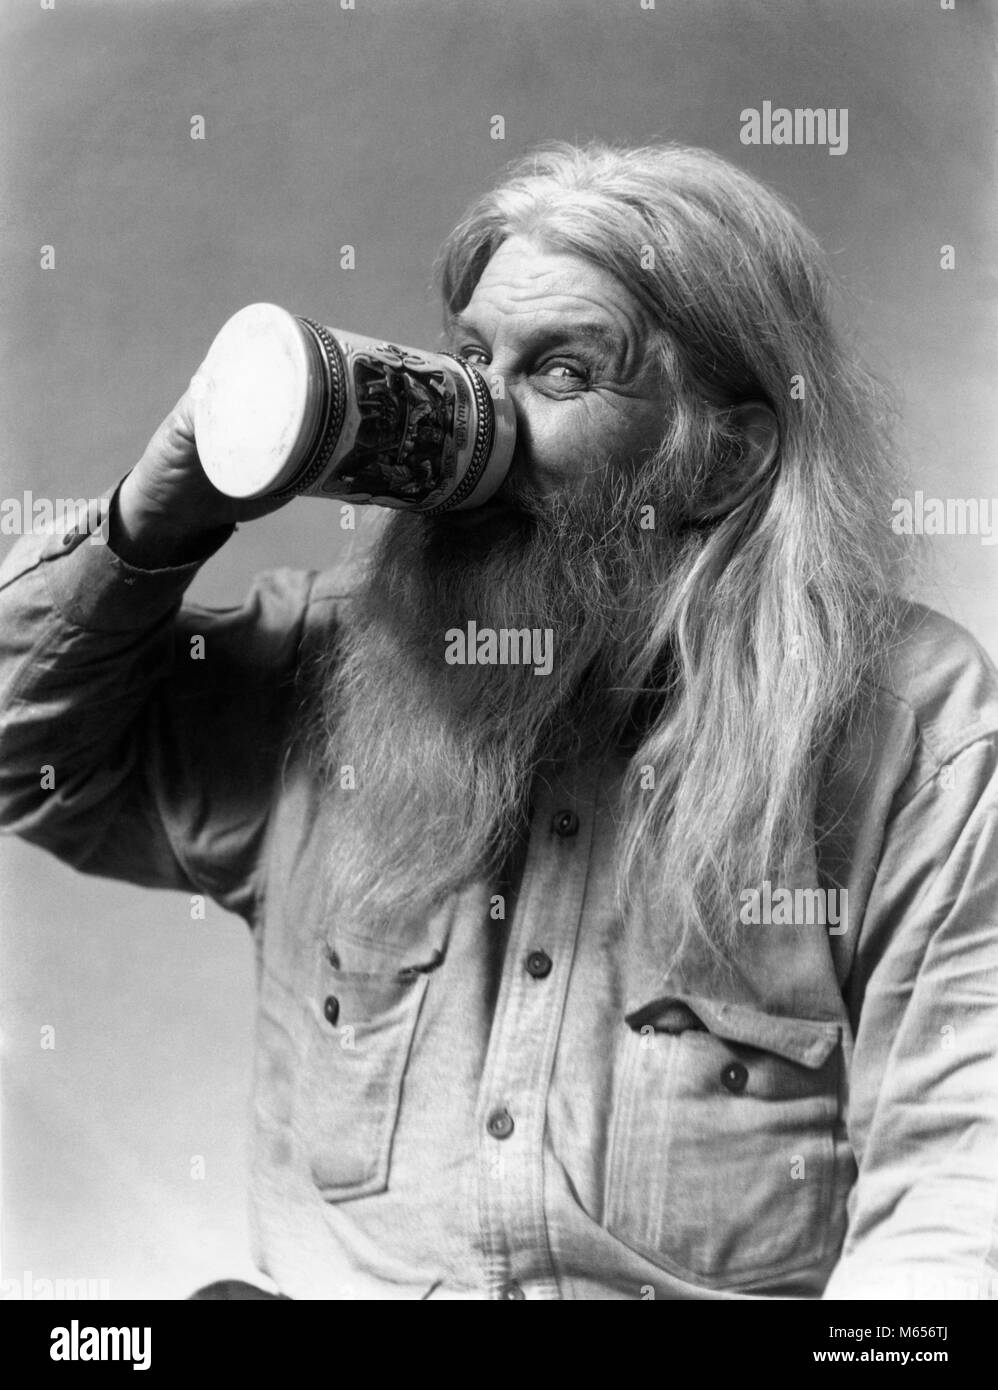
774	618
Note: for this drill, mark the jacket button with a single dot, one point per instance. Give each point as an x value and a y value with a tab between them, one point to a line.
331	1008
500	1124
565	824
539	964
513	1293
734	1077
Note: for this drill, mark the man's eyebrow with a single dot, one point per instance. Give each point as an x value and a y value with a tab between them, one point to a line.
592	332
457	323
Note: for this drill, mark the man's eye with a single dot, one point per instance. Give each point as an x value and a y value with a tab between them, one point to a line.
565	371
471	352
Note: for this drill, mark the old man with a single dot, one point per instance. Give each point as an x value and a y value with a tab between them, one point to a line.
665	971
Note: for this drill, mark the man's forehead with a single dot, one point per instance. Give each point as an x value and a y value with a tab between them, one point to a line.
544	327
545	291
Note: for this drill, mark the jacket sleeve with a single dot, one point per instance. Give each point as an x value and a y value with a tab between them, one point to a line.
140	735
923	1102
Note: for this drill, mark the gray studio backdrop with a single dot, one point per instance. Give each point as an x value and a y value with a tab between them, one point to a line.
124	1145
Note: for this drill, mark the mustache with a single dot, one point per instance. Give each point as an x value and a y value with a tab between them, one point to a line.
517	490
520	492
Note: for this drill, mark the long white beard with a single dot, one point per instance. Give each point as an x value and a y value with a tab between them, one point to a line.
443	756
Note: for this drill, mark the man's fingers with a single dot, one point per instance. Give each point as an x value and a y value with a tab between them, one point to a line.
173	442
183	411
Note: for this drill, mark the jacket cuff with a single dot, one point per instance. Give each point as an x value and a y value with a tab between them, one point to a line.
95	589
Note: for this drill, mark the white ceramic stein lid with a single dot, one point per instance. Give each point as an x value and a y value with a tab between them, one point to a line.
256	396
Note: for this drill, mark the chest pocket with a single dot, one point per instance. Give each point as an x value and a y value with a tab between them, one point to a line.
363	1011
722	1148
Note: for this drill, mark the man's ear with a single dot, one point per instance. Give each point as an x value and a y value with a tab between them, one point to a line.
749	465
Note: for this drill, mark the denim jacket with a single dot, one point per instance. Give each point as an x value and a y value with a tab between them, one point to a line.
538	1104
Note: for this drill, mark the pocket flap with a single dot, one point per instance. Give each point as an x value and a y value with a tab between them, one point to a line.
807	1041
367	980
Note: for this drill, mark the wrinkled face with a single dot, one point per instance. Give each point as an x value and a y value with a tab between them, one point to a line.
571	344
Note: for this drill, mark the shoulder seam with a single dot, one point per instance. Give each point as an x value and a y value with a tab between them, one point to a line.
965	746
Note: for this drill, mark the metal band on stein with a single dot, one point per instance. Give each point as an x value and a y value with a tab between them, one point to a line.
484	435
336	397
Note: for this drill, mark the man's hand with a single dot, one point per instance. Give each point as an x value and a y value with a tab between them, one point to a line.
167	511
